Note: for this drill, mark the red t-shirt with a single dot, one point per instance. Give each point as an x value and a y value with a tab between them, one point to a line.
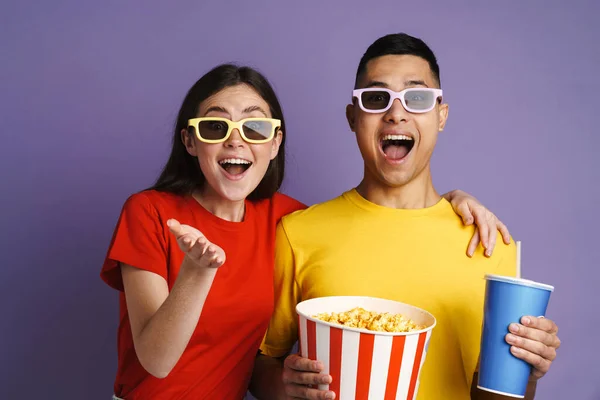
218	361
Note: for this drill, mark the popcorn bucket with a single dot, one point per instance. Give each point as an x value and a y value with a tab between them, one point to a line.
365	364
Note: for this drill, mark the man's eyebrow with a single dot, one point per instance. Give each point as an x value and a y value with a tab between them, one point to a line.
415	82
255	108
412	82
376	84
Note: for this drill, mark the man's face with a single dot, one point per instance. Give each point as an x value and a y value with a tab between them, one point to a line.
396	145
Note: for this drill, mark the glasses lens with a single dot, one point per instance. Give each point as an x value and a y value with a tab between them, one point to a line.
213	129
375	99
419	99
258	130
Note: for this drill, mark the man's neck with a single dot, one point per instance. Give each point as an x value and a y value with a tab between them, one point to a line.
417	193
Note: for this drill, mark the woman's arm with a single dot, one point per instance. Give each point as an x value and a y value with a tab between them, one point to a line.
162	323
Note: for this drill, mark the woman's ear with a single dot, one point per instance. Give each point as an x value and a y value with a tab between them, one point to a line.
275	143
187	138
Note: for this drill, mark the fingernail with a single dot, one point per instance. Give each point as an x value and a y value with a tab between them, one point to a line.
513	328
330	395
488	252
526	321
511	338
326	379
515	350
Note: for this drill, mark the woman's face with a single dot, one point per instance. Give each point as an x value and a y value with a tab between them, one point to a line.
233	168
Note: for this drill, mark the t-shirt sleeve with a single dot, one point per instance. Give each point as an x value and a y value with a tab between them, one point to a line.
282	332
286	205
138	240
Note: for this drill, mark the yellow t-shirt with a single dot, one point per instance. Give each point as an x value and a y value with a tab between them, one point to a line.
350	246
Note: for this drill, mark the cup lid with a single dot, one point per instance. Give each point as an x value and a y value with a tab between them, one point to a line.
519	281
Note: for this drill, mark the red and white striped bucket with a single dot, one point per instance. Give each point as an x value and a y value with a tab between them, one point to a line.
365	364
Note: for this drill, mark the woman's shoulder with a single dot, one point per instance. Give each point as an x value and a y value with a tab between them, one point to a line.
156	207
280	204
154	199
287	204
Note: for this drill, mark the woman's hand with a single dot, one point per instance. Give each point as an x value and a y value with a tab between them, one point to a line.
196	246
472	211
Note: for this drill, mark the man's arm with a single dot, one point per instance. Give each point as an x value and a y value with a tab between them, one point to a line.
266	380
532	339
282	331
478	394
273	377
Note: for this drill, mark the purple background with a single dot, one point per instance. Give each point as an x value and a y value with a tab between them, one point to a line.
90	90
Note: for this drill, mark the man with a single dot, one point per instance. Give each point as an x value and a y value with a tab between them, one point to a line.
393	237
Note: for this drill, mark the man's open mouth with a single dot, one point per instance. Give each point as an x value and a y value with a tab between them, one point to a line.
396	147
235	166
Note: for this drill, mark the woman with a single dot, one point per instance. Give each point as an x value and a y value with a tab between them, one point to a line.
208	226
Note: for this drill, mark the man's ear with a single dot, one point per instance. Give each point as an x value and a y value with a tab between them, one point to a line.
188	141
350	116
443	116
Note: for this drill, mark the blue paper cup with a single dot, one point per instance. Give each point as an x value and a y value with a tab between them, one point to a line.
507	300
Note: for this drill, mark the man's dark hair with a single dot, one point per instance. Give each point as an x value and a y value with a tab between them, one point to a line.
398	44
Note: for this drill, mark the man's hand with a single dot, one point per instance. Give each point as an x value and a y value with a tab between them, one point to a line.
535	341
300	375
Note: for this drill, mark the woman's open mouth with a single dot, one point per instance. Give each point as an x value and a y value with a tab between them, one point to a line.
235	166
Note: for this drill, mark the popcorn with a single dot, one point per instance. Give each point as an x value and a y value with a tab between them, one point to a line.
374	321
